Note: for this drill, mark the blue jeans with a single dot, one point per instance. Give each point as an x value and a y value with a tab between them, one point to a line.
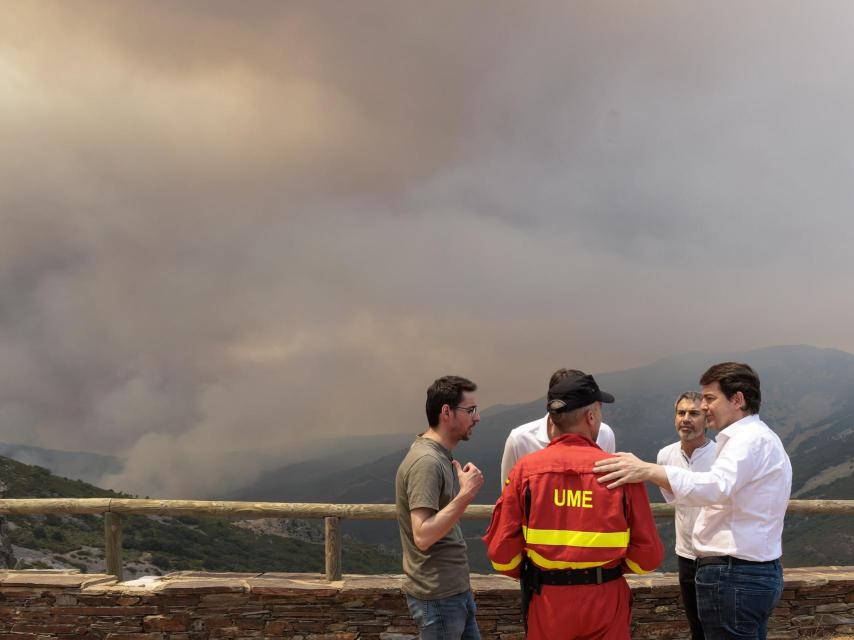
736	600
450	618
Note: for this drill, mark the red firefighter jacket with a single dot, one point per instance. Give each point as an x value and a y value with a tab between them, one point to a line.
554	510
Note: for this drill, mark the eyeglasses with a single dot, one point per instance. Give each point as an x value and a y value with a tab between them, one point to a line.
469	410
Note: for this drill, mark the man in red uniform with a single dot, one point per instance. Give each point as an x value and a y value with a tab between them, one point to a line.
567	536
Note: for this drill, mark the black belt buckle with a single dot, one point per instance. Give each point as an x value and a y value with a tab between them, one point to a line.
598	575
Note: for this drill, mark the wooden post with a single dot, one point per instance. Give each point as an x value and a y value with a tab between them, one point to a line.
113	543
333	548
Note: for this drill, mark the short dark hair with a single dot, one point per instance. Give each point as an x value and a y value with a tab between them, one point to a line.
447	390
693	396
734	377
561	374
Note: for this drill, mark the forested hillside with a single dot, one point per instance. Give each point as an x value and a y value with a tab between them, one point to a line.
154	545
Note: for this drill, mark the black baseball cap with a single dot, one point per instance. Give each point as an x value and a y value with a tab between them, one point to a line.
575	391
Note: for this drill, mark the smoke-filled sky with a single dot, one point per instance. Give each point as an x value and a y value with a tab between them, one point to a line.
233	228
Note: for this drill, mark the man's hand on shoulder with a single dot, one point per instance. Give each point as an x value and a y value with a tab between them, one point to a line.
471	480
623	468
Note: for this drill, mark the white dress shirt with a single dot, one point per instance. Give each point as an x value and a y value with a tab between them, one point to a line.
534	436
744	495
701	460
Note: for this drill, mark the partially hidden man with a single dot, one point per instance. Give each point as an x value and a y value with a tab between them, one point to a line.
432	490
566	536
536	435
695	452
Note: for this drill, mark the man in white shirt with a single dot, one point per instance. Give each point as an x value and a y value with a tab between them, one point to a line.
696	452
737	535
536	435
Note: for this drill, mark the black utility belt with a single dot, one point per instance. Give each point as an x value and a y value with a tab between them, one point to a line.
729	560
594	575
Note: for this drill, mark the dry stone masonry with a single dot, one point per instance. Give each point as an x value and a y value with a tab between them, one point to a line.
38	605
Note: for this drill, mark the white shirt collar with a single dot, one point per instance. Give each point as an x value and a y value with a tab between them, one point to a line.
740	425
699	451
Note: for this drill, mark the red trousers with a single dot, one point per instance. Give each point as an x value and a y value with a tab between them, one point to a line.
582	612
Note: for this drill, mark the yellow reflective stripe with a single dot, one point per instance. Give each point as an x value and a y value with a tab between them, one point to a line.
564	538
545	563
636	568
509	566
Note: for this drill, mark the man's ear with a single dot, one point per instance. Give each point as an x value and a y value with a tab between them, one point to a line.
738	399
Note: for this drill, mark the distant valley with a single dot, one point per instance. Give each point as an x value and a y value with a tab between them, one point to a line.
80	465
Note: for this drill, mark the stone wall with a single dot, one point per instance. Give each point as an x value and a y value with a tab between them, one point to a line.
197	606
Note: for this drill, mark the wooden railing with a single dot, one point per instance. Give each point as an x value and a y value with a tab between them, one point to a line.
114	508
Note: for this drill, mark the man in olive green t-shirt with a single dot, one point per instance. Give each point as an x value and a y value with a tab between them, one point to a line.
432	491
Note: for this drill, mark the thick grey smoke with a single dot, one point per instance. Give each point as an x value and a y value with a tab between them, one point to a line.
231	229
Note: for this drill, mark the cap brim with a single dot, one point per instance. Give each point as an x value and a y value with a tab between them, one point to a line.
605	397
